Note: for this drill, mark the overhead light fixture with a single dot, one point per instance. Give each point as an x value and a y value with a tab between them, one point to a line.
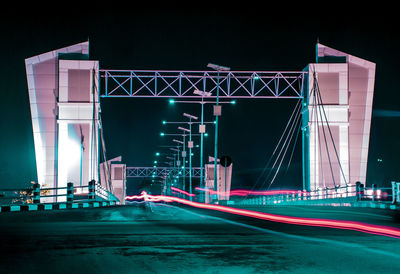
201	93
218	67
177	141
190	116
184	129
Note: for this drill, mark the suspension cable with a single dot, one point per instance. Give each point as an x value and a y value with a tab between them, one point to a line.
330	133
283	157
319	107
294	118
276	147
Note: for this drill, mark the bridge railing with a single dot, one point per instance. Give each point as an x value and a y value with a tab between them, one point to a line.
69	194
343	193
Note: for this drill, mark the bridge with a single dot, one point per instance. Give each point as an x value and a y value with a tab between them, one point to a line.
80	195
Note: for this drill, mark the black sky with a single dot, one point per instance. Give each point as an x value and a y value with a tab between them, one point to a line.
173	38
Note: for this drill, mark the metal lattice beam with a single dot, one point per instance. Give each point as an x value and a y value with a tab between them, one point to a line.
171	84
143	172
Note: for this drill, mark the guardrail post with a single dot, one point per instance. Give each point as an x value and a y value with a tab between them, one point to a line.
36	193
394	192
398	192
92	190
70	194
358	191
373	192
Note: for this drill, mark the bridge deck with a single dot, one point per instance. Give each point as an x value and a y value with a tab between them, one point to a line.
164	239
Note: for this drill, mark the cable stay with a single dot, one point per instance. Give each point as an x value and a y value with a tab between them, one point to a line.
322	120
277	157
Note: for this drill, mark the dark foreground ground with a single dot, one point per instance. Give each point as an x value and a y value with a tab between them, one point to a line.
166	239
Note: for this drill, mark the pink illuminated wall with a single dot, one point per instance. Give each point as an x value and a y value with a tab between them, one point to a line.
42	78
346	85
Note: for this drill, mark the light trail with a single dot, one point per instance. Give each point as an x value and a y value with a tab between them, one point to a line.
182	191
339	224
244	192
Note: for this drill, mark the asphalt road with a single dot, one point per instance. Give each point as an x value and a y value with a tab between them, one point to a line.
162	238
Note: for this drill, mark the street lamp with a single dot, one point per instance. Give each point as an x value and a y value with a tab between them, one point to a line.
217	113
202	129
184	153
190	145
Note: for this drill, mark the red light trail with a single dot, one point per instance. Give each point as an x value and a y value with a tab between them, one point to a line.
182	191
339	224
244	192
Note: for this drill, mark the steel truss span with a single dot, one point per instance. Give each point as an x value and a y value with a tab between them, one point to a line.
163	172
171	84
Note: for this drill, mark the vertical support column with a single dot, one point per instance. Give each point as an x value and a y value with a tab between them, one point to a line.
36	193
70	194
398	192
394	192
373	192
305	131
358	191
343	147
92	190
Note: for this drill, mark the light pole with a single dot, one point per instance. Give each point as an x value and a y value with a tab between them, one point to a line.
190	145
217	113
184	154
202	126
202	130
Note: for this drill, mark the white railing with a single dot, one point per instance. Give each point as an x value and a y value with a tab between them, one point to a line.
69	194
343	193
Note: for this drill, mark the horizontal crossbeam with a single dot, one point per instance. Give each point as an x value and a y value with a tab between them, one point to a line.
163	172
175	84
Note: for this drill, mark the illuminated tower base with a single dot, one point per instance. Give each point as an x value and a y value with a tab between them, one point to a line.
64	107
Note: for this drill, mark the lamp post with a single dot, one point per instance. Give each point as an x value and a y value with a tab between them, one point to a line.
217	113
201	130
190	145
184	154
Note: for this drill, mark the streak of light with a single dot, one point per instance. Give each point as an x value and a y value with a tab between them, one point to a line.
182	191
244	192
339	224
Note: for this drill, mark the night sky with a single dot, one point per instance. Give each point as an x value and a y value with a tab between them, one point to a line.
173	38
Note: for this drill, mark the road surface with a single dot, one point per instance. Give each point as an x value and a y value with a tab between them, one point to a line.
160	238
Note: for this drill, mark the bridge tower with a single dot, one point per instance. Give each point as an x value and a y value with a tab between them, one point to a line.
337	108
64	106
